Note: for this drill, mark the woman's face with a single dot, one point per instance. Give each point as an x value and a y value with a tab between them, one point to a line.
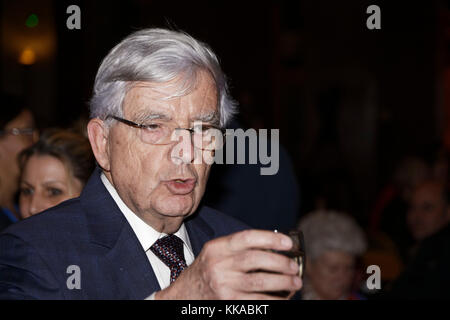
331	274
45	182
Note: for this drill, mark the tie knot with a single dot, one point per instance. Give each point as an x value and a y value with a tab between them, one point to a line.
171	242
169	250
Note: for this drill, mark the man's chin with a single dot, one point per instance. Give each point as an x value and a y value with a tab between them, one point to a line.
177	205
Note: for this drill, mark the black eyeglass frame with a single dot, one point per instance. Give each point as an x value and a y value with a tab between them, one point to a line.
146	126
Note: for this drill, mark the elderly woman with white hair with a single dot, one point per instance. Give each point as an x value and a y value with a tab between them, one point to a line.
333	241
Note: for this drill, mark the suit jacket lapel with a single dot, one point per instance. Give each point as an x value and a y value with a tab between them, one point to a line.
132	264
109	229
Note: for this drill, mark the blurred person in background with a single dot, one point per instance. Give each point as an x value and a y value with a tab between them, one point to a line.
54	169
428	212
17	132
389	236
427	273
389	213
333	244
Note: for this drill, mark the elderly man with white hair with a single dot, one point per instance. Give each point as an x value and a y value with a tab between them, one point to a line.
333	241
138	231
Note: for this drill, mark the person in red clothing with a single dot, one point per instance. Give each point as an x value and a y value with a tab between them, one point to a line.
426	275
387	230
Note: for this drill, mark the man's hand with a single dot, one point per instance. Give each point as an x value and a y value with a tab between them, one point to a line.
238	266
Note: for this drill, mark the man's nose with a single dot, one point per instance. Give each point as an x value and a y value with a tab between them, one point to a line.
183	151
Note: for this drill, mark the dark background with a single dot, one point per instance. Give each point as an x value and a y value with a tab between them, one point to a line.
350	102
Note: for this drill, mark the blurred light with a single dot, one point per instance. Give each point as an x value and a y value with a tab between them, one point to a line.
27	57
32	21
28	24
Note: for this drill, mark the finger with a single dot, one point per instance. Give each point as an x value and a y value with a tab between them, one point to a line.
259	239
265	282
251	260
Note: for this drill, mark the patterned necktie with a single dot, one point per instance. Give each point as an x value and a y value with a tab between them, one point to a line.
169	250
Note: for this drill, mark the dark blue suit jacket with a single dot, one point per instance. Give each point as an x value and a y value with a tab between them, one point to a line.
92	233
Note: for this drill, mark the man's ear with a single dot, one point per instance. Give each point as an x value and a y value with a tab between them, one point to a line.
98	137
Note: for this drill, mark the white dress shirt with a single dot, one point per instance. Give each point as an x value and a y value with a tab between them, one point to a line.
147	236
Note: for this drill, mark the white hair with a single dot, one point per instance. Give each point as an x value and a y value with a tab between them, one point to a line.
156	55
330	230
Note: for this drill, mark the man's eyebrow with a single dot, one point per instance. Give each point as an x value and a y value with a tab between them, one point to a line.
212	118
147	116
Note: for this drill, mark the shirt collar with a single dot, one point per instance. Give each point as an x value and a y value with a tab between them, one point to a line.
146	235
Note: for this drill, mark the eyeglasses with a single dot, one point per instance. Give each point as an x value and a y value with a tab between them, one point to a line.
17	132
204	137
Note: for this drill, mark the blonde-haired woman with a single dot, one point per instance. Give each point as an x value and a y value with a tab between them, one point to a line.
53	170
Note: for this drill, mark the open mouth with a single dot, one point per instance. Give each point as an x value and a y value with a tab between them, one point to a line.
181	186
